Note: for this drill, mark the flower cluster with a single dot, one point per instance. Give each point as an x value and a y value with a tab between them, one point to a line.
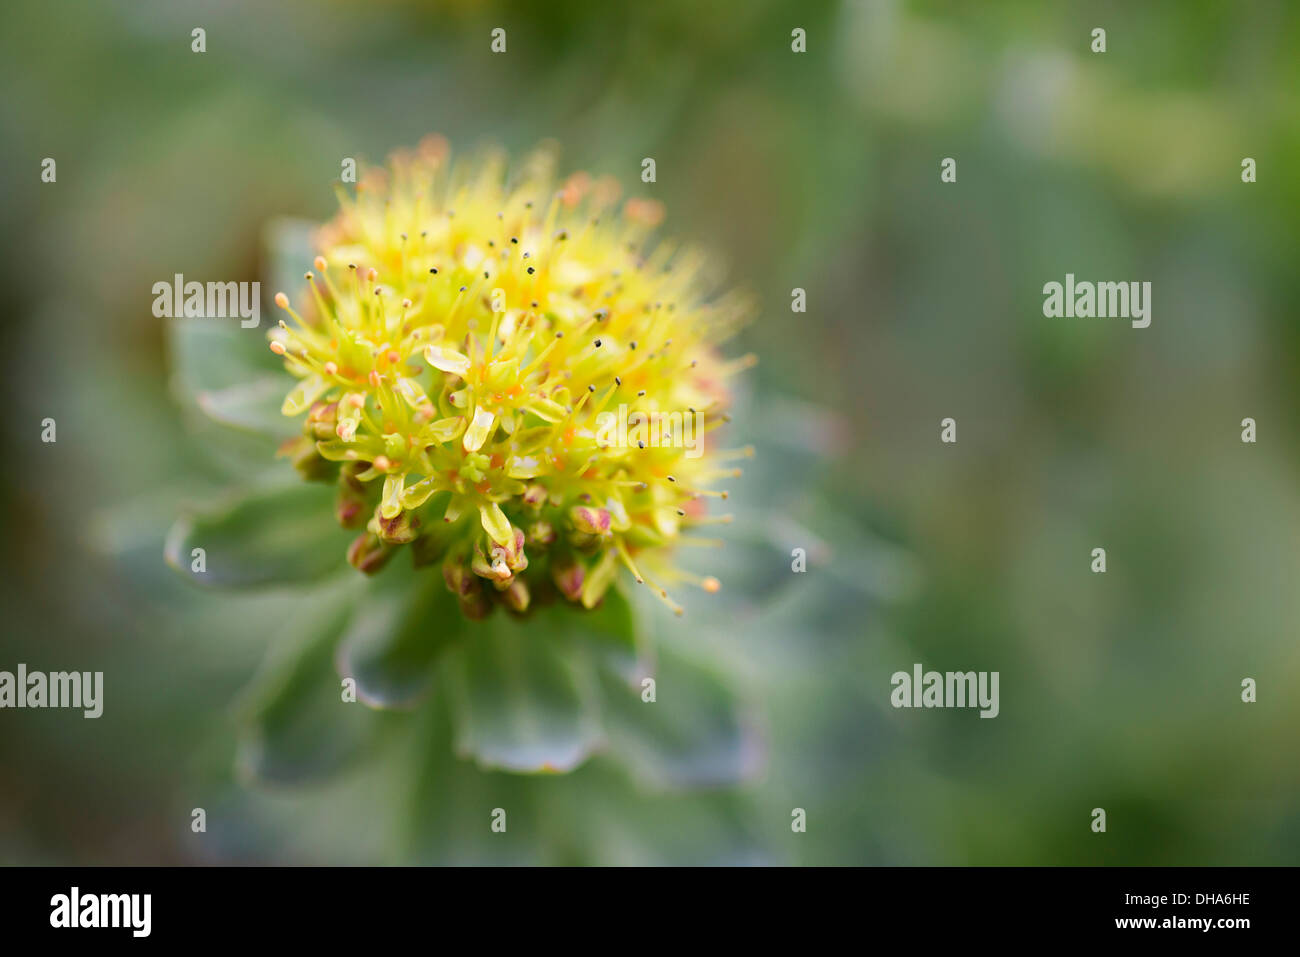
460	334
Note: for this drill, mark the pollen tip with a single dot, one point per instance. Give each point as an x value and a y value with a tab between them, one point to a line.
282	300
278	347
711	585
319	263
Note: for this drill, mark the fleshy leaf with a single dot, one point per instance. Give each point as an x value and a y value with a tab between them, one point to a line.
448	796
208	355
252	406
296	726
523	695
391	644
280	536
695	734
288	247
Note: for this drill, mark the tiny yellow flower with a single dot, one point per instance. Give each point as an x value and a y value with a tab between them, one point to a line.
511	376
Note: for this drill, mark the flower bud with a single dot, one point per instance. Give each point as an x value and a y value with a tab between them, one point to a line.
311	464
516	597
368	554
591	521
590	525
459	581
352	505
541	533
473	600
492	567
476	605
322	420
514	556
568	575
398	530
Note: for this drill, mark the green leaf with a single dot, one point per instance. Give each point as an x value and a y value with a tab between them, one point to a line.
523	694
296	726
288	250
251	406
610	632
281	536
695	734
398	632
447	804
208	355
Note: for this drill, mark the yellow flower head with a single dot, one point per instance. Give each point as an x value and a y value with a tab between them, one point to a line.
512	377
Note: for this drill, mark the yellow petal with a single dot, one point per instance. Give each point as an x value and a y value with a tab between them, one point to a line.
598	579
443	430
547	410
336	451
391	506
497	525
502	374
523	467
448	360
479	429
420	492
304	394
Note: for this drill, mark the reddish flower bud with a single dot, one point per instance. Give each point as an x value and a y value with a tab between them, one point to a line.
568	575
368	554
516	597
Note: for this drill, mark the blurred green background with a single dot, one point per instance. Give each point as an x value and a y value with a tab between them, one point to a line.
816	170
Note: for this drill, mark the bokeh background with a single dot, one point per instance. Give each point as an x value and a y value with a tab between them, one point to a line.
816	170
